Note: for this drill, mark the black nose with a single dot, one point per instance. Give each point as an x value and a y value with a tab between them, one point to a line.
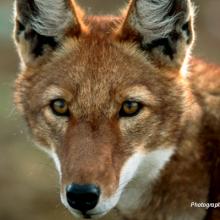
82	197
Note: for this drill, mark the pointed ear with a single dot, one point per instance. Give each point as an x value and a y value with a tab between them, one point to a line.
40	26
162	28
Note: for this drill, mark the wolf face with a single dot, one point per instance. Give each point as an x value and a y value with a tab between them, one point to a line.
104	96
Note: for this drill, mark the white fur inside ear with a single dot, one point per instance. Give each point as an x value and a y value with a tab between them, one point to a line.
152	20
53	18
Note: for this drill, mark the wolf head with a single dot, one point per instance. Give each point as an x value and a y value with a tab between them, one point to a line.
104	96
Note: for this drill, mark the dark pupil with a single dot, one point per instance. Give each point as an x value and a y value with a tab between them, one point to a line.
59	104
130	105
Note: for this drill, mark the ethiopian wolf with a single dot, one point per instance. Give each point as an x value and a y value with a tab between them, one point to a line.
130	119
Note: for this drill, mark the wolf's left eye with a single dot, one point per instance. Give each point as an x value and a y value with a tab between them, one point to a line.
130	109
60	107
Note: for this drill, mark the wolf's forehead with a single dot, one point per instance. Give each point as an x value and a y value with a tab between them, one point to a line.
101	61
97	71
97	90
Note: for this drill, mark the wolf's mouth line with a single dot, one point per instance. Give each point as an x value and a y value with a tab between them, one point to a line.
90	215
97	213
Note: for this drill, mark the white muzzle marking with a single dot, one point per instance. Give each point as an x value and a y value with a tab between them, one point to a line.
137	177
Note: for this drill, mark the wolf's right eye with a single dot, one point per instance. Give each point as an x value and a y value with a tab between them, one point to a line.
60	107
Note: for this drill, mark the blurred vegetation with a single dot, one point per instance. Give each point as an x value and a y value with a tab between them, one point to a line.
29	186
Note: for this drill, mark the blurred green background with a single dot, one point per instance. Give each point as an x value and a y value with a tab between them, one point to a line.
29	186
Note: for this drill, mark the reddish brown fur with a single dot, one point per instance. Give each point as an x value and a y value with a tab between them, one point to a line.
95	71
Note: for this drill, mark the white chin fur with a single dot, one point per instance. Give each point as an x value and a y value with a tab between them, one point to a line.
137	177
149	169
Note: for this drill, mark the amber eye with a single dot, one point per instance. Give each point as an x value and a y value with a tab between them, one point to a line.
130	109
60	107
